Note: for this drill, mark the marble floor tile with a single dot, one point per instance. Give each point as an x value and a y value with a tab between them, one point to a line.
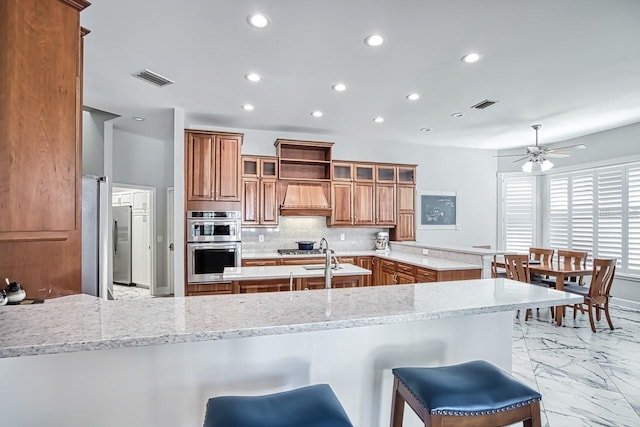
121	292
585	379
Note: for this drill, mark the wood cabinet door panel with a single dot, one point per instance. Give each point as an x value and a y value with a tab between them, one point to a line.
250	202
227	180
366	262
364	203
268	202
302	261
406	198
405	227
259	262
404	278
425	275
342	204
200	170
40	117
385	204
255	286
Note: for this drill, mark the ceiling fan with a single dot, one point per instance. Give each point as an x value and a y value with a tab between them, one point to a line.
537	156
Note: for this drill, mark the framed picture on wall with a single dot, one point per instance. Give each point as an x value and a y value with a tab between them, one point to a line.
437	210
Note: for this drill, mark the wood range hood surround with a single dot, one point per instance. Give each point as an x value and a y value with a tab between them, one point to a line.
305	199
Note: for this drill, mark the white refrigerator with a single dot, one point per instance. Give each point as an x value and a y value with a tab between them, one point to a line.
96	199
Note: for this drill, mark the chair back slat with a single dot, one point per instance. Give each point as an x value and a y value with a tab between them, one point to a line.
602	279
575	259
544	255
517	267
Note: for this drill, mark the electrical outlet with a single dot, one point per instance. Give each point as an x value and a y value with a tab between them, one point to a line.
261	238
341	236
425	252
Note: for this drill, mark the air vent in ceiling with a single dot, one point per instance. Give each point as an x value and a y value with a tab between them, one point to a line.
153	78
483	104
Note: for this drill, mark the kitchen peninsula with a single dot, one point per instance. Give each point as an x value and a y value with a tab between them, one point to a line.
78	361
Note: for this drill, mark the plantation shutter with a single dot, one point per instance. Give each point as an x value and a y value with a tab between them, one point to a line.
582	213
634	219
559	211
519	196
609	241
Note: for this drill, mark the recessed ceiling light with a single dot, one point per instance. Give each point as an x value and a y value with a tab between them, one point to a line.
374	40
472	57
138	118
339	87
248	107
425	129
378	119
317	114
413	97
258	20
457	115
253	77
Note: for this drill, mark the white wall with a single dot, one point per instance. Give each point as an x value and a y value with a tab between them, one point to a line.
470	172
93	141
142	160
610	147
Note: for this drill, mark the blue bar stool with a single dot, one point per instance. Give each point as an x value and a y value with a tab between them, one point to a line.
312	406
470	394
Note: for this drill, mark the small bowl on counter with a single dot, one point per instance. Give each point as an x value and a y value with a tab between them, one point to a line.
305	245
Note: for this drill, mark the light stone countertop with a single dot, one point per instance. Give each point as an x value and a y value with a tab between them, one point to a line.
84	323
438	264
284	271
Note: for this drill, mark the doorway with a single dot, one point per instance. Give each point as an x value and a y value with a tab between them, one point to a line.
133	211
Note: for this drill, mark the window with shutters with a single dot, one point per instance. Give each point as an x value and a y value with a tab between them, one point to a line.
597	211
518	199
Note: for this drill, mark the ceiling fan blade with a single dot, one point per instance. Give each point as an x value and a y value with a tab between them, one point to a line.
522	158
554	155
509	155
568	147
534	149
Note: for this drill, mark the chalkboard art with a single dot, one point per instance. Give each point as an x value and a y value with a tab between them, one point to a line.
438	210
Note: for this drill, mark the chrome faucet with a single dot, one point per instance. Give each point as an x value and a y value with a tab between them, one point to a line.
327	263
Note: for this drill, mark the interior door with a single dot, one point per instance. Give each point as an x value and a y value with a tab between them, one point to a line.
170	239
141	249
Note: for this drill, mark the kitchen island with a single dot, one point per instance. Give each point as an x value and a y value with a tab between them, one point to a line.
79	360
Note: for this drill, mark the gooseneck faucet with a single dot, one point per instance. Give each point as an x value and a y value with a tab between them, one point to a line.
327	263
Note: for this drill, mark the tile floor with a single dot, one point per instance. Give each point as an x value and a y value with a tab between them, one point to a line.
585	379
129	292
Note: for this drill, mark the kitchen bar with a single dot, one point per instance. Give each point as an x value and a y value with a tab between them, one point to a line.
189	349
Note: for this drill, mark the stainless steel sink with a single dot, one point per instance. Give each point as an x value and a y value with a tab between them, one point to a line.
319	267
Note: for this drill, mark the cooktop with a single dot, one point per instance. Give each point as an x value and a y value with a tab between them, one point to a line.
300	251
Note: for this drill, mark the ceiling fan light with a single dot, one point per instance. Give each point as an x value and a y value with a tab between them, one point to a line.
527	167
546	165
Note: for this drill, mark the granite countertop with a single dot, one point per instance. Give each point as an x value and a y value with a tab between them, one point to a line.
284	271
438	264
460	249
84	323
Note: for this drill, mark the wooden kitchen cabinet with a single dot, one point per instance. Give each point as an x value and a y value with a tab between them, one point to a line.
353	201
337	282
213	166
255	286
385	204
259	262
347	260
208	289
303	261
259	191
366	262
342	202
41	145
406	219
425	275
387	275
364	207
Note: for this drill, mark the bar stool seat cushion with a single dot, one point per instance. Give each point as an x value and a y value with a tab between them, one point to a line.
472	388
313	406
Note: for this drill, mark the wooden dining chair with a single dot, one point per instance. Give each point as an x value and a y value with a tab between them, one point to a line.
495	273
577	259
543	255
597	294
517	268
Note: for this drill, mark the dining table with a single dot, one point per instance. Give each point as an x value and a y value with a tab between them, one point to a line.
560	271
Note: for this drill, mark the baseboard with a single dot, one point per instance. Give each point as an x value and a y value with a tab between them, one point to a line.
625	303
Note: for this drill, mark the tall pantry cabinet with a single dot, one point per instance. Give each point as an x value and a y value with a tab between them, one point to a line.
40	145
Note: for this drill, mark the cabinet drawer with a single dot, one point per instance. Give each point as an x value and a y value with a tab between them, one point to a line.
259	262
405	268
424	275
302	261
347	260
388	265
209	289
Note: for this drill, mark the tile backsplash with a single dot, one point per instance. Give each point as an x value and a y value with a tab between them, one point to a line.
292	229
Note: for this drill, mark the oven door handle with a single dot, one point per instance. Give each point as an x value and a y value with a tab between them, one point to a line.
230	247
215	223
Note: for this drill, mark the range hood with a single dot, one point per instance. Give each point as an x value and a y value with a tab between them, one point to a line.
305	199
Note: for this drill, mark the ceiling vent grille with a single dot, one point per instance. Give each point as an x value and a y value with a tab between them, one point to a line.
483	104
153	78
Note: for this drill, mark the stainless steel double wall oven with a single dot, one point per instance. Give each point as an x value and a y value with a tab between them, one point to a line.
213	243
